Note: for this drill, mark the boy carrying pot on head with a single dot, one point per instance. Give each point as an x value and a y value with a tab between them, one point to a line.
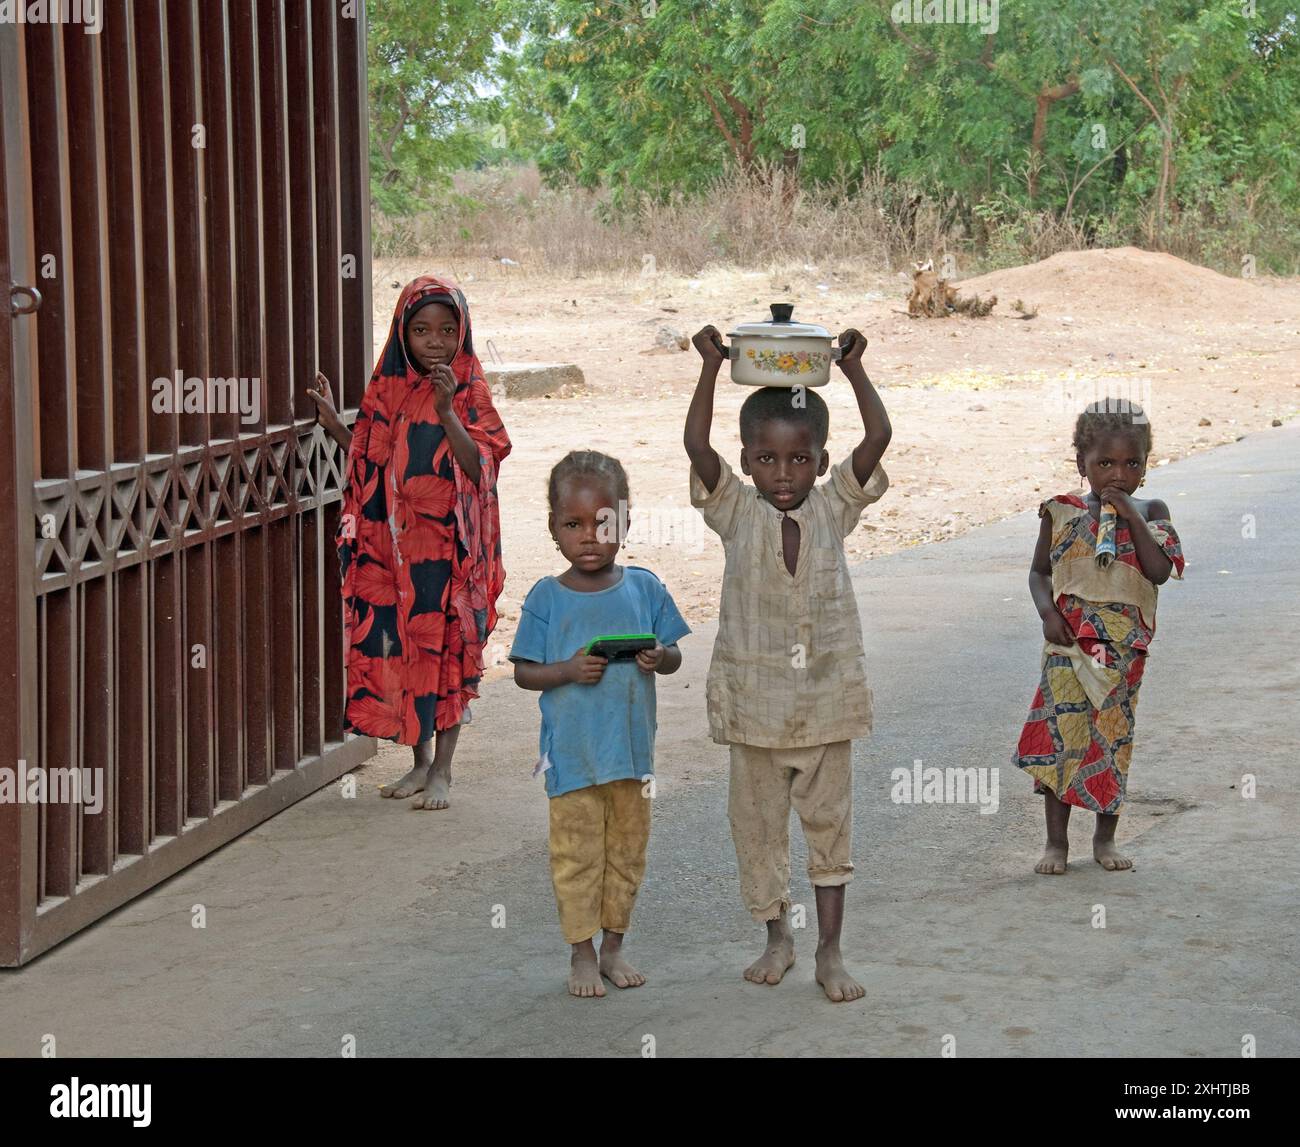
787	687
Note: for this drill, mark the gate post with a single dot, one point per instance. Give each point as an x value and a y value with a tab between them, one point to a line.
18	820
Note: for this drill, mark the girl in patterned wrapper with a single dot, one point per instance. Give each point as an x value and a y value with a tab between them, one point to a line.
1098	620
598	716
420	535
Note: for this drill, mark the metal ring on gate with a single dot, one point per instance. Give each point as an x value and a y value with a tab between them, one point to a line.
31	292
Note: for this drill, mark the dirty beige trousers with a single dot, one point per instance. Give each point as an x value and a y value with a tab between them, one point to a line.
765	783
598	842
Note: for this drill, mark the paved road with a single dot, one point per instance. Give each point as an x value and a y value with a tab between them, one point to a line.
354	917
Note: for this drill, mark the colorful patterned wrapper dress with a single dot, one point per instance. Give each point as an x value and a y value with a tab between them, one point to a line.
1079	735
419	542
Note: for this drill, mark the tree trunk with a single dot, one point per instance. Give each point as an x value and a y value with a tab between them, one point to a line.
1046	98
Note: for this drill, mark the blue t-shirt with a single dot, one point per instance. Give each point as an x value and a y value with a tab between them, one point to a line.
594	734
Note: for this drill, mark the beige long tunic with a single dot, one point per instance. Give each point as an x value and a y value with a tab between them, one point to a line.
788	668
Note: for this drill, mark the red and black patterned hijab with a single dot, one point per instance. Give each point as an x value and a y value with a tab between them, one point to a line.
395	374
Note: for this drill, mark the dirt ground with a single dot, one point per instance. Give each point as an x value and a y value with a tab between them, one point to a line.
982	409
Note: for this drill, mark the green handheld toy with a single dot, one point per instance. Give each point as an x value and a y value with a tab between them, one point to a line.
620	646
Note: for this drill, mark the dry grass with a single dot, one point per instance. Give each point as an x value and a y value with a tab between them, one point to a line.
750	221
740	221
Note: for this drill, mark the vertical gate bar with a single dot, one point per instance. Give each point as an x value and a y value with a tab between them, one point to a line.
188	148
227	653
126	220
250	357
134	735
355	299
166	694
287	299
214	62
188	179
94	434
310	546
52	227
56	354
329	321
283	551
58	745
159	244
291	330
354	205
125	255
324	88
333	680
98	838
198	670
20	845
165	617
247	145
42	661
89	231
256	589
226	667
301	206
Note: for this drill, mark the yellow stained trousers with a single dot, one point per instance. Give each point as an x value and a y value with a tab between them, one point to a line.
598	842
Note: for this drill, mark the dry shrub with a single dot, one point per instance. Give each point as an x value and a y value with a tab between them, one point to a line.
742	219
859	222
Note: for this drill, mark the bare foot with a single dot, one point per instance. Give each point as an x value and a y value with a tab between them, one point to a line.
618	971
1109	857
1053	862
409	785
772	965
584	974
437	794
839	986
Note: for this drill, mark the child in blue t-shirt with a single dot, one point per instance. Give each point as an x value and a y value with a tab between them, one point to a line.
598	716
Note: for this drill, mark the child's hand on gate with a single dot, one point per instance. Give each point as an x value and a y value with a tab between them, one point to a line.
708	341
648	659
1056	629
584	668
326	412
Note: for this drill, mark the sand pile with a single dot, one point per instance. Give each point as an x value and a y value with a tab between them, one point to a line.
1126	281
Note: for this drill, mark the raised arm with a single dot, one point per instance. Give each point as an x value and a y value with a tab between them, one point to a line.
463	447
875	420
699	418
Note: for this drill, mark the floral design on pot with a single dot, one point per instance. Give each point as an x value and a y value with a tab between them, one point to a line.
781	352
800	362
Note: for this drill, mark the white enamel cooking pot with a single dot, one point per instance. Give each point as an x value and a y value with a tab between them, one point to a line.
781	352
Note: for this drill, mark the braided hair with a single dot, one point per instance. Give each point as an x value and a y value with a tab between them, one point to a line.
578	464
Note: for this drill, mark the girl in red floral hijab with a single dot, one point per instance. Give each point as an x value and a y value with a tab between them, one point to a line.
420	535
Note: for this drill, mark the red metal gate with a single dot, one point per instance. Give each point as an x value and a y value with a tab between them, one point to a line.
186	187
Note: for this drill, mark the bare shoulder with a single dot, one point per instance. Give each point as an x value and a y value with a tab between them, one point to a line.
1153	509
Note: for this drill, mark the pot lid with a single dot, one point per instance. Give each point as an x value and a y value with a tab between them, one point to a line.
780	326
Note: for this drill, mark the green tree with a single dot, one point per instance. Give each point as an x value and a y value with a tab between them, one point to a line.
429	64
1069	106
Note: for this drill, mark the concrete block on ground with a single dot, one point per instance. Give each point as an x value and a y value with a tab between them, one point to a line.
533	379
